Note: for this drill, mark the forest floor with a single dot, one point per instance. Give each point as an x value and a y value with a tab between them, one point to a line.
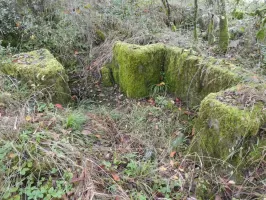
109	147
105	146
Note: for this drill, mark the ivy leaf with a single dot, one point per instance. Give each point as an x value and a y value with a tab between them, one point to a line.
261	34
24	170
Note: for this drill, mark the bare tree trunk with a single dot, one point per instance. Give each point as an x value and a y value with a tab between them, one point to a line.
210	31
224	34
195	19
167	9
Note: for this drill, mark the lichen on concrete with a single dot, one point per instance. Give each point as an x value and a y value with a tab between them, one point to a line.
40	70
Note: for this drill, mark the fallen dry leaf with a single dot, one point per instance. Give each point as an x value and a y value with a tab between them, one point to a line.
175	177
218	197
172	154
115	177
181	169
86	132
172	163
162	169
55	136
28	118
193	131
12	155
59	106
231	182
151	101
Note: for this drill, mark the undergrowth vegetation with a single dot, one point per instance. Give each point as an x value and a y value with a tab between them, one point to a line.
52	152
102	145
134	151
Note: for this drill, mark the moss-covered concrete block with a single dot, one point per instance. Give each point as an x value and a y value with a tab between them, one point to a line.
106	76
137	68
229	123
192	78
176	73
40	70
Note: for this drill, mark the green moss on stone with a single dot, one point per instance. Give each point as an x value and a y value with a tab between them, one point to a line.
115	72
223	130
181	72
107	79
191	78
174	61
136	68
40	70
216	77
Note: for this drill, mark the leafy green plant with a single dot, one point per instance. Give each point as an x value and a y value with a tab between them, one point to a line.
135	168
260	13
32	178
75	120
43	189
161	101
138	195
167	188
159	89
8	18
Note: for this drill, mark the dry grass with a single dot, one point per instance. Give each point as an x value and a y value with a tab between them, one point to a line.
126	152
